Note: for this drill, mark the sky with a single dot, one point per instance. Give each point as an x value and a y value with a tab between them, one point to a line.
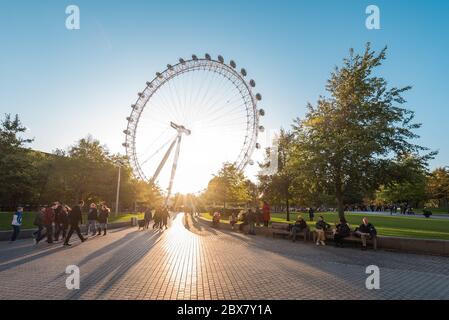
66	84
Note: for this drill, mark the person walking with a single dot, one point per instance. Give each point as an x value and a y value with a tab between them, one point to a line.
311	214
233	219
157	218
92	218
49	219
39	223
266	214
16	223
75	218
251	221
103	219
165	216
216	219
148	217
61	221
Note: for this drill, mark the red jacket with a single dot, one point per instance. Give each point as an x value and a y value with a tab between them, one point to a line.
49	216
266	212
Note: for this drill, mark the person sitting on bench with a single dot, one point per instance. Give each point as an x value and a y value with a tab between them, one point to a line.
299	226
365	230
342	230
320	230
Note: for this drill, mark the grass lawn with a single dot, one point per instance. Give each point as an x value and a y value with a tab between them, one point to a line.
28	219
408	227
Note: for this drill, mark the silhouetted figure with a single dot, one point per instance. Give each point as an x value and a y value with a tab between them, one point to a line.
75	219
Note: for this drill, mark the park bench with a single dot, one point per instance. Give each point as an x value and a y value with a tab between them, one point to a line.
282	229
330	236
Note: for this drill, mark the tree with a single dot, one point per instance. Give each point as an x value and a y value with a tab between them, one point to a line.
17	173
277	188
438	186
228	185
353	138
88	171
409	187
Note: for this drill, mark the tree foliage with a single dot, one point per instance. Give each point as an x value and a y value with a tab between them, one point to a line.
17	171
86	170
354	138
228	186
278	188
438	186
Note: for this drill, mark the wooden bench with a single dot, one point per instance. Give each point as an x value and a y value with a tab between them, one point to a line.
353	238
329	234
282	229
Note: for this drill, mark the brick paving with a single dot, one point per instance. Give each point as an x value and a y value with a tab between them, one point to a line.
198	262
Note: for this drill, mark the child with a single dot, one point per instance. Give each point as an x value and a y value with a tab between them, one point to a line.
16	223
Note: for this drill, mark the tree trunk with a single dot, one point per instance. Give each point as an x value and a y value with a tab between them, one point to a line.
287	204
339	197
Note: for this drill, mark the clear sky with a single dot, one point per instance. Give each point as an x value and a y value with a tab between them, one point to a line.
67	84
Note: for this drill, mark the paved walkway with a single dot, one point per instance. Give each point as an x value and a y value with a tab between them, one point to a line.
202	263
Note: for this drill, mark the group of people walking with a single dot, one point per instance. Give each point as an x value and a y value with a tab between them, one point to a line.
59	220
160	216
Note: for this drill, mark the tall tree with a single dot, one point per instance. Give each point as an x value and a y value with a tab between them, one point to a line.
409	185
438	186
228	185
17	173
278	186
351	139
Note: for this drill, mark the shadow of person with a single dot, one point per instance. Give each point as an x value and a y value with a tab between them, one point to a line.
124	254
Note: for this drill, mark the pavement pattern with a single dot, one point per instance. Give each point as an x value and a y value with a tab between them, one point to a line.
193	261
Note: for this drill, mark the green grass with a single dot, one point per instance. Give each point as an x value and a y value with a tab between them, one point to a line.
28	219
396	226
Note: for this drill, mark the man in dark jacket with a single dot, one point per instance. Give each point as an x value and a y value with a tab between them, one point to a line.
47	222
342	230
367	230
311	214
60	221
92	218
103	216
75	219
299	226
148	217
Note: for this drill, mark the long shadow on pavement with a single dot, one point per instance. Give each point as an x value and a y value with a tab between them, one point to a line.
125	254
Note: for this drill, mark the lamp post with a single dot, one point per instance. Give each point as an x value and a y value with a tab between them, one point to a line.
120	164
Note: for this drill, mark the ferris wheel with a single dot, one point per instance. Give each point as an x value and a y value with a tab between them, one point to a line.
204	104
